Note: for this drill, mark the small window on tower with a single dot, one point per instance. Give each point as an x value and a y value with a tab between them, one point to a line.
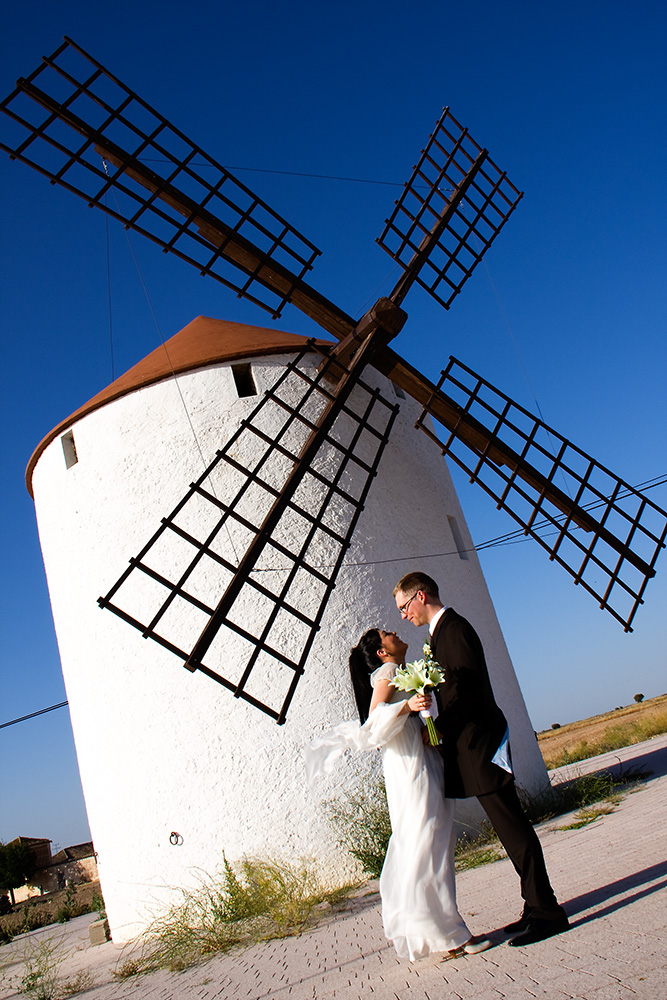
245	383
458	538
398	392
69	449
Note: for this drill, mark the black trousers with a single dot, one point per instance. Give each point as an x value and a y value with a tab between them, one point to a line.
524	850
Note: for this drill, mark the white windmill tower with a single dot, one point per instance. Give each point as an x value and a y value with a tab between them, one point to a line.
259	574
174	769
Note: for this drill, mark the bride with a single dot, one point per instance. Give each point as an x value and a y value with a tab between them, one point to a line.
417	886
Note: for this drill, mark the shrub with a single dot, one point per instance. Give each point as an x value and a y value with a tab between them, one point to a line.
361	822
97	903
555	725
69	908
639	698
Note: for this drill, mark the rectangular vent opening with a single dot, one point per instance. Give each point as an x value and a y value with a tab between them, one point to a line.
244	381
69	449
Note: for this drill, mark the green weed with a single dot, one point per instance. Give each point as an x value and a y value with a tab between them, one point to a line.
79	983
97	903
41	979
130	967
583	790
589	814
362	825
40	975
69	908
475	859
252	901
476	847
473	852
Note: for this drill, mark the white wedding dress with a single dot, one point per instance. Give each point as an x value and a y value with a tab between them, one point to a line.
417	886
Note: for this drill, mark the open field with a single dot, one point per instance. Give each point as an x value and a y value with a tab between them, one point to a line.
589	737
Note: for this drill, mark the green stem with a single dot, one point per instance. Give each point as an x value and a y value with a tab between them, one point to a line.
433	736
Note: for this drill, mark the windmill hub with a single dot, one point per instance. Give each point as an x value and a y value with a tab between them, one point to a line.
383	322
384	315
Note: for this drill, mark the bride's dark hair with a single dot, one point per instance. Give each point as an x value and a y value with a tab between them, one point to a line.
364	660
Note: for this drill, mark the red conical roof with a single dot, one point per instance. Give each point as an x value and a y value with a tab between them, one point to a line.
202	342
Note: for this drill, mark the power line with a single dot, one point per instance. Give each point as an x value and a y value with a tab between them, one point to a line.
287	173
33	714
299	173
321	177
520	535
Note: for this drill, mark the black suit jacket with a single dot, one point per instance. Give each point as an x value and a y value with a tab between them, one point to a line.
469	719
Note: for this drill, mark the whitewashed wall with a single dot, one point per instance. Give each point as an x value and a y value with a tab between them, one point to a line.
163	750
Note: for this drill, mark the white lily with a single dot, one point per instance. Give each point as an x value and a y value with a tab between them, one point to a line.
420	676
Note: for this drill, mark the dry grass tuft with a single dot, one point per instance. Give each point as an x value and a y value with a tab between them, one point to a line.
252	901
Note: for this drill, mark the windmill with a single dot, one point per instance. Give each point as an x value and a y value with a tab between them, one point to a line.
79	125
236	576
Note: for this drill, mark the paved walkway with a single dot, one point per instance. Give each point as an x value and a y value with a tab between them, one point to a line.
611	877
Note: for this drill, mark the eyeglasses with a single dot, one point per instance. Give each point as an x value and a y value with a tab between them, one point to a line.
404	609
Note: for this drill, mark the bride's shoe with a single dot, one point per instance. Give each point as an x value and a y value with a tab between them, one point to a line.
475	945
472	947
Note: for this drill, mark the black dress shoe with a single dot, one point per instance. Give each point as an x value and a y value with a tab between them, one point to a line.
539	930
519	925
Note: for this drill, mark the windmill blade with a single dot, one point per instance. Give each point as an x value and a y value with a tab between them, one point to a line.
222	581
605	533
449	214
77	124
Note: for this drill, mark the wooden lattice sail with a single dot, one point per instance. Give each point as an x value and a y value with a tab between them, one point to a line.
272	516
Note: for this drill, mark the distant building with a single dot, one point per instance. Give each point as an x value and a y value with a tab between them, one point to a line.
41	849
75	864
39	846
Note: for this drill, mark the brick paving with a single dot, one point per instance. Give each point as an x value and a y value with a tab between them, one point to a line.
611	877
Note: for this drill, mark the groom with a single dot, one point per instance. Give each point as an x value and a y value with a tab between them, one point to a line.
475	750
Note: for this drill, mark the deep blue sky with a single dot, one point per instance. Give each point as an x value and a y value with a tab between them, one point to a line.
569	98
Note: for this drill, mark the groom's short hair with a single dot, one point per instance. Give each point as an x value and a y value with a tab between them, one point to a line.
417	581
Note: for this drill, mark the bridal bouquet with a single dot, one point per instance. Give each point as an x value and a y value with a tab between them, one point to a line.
422	676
